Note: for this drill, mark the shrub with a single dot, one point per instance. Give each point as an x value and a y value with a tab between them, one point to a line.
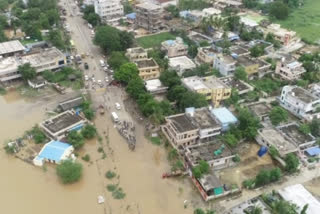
69	171
89	131
110	174
86	158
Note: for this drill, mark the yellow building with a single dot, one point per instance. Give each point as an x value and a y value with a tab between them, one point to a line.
211	87
148	69
254	67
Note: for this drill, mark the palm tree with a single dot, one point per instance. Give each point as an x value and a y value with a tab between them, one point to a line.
256	210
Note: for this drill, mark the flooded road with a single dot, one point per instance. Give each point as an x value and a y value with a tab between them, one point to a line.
32	190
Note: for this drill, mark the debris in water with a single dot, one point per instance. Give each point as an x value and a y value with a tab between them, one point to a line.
100	199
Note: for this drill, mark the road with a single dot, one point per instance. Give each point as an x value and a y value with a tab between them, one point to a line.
82	37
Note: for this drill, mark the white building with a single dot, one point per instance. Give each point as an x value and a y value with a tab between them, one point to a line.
225	64
181	64
300	102
109	11
47	59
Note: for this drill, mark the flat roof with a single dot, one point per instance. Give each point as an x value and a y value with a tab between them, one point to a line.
136	50
71	103
154	84
235	83
239	50
293	132
248	205
61	121
145	63
259	109
207	152
148	6
224	115
246	61
11	47
53	150
203	118
181	61
298	195
182	123
210	181
303	95
276	139
195	83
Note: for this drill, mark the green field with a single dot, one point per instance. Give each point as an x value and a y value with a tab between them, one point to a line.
305	21
154	40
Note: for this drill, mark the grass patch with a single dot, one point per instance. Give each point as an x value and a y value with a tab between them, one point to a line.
305	21
155	140
154	40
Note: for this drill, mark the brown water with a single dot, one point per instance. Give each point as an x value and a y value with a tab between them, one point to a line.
31	190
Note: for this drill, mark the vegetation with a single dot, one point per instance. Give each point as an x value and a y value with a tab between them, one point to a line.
278	115
241	74
282	206
201	169
154	40
267	84
257	50
264	177
91	16
117	59
292	163
201	211
27	72
69	171
75	139
308	13
201	71
117	192
315	127
279	10
160	57
89	131
87	110
155	140
193	4
273	151
37	135
173	10
126	72
86	158
110	174
62	77
111	39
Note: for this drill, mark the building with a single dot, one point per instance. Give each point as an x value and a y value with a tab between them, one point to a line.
58	126
285	36
155	86
260	110
110	11
289	69
192	15
241	86
222	4
207	12
148	16
199	38
175	48
225	117
70	104
286	139
299	196
53	152
254	67
46	59
188	128
315	89
11	48
148	69
225	64
206	55
38	82
247	206
216	154
239	50
300	102
211	87
136	54
181	64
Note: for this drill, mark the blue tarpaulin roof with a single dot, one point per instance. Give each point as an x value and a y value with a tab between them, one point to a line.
313	151
131	16
53	150
224	115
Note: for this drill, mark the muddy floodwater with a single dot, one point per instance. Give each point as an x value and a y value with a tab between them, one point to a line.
32	190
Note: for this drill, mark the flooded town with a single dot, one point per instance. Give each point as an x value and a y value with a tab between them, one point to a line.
159	106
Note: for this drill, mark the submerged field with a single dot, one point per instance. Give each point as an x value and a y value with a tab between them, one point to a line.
305	21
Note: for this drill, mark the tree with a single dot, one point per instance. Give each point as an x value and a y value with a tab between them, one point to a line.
278	115
292	163
305	129
55	38
248	124
241	74
315	127
304	209
279	10
75	139
173	10
169	78
89	131
175	93
230	139
262	178
283	207
201	169
275	174
37	135
233	22
135	87
257	50
192	99
192	51
250	3
117	59
160	57
126	73
69	171
27	72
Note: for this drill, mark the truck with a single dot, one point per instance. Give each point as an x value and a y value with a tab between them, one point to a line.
115	117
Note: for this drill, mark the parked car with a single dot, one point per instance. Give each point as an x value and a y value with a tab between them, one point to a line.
86	78
118	107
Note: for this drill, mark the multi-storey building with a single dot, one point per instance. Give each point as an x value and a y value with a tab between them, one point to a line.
136	54
300	102
110	11
211	87
148	69
289	69
225	64
148	16
175	48
11	48
46	59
